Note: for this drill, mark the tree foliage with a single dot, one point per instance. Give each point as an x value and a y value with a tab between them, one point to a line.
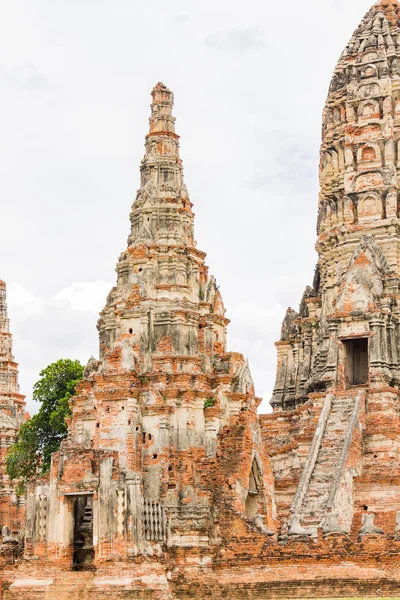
38	438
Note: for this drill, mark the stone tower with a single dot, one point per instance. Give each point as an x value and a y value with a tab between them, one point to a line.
12	407
340	352
148	463
164	487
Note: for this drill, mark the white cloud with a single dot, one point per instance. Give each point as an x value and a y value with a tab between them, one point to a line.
86	296
237	39
18	295
24	76
46	329
253	331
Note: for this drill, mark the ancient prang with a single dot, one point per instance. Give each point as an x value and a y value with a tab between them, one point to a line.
12	406
170	485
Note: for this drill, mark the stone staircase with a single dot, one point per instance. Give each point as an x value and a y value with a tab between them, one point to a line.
325	463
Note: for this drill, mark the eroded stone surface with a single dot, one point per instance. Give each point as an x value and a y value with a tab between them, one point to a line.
12	406
164	487
164	450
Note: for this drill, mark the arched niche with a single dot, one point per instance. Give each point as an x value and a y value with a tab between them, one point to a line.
369	109
326	164
369	155
329	162
369	71
370	207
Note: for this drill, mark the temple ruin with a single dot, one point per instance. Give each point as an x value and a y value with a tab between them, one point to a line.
12	411
170	485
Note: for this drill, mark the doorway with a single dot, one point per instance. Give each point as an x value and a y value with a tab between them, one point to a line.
356	361
83	533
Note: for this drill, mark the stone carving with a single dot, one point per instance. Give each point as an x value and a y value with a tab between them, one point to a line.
308	293
210	291
120	512
42	520
295	527
368	527
259	521
397	530
330	523
148	193
144	235
244	380
91	367
129	359
6	535
363	283
10	548
368	244
288	326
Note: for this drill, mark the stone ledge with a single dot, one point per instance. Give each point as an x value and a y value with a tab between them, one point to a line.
119	581
32	583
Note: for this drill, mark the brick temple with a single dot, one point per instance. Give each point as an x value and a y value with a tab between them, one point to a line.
170	485
12	415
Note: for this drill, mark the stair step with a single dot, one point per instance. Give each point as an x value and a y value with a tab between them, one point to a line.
336	427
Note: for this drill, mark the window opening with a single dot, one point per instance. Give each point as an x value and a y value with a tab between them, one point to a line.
356	361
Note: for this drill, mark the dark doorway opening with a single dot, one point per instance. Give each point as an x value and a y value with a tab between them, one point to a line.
83	533
357	361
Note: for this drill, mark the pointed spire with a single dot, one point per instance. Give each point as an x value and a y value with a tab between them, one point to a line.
162	270
12	410
8	372
161	120
161	165
4	320
391	50
377	25
162	211
8	366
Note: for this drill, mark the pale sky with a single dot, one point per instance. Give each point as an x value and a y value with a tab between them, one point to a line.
250	80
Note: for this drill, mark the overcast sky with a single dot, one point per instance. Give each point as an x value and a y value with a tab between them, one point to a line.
250	80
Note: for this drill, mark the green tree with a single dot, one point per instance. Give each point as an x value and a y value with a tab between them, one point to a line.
38	438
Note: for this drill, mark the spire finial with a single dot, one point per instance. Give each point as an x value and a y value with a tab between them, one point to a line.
161	165
4	322
161	120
